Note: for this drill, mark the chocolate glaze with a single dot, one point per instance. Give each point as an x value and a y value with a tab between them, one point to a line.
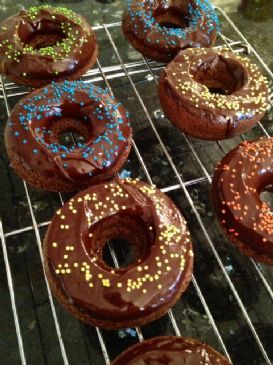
31	142
18	31
238	180
120	295
171	351
224	90
168	26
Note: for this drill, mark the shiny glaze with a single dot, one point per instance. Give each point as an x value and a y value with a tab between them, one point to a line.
29	139
47	63
187	79
171	351
239	179
142	18
118	295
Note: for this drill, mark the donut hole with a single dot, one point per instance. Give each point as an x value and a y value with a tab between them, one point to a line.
42	34
266	196
70	138
124	251
68	132
125	235
221	75
172	18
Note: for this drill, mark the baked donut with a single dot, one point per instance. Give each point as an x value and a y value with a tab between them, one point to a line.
46	43
34	132
212	94
159	29
129	296
239	179
171	350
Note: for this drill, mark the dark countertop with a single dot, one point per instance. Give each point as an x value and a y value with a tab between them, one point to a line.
38	331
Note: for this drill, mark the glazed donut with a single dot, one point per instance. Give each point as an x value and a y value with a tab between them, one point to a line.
129	296
239	179
33	136
212	94
44	44
171	350
160	29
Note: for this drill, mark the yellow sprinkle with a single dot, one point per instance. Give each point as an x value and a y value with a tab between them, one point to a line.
159	286
68	271
57	271
62	216
65	257
100	276
91	285
54	244
144	291
119	285
76	264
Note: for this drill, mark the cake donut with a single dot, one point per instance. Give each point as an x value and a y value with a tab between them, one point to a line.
160	29
171	350
46	43
239	179
108	297
36	124
212	94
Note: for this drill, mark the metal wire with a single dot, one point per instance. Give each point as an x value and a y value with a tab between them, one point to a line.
9	90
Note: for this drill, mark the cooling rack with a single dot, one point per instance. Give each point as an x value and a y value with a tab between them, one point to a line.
229	302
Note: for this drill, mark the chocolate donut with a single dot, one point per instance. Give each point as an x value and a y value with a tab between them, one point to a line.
129	296
37	123
171	350
212	94
159	29
239	179
44	44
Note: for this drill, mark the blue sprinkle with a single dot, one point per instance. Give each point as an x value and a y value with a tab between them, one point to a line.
124	174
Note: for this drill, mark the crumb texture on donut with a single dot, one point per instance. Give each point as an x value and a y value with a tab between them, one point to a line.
113	297
173	350
213	94
239	179
159	29
34	131
46	43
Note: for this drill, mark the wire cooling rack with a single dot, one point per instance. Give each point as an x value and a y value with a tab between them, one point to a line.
229	302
